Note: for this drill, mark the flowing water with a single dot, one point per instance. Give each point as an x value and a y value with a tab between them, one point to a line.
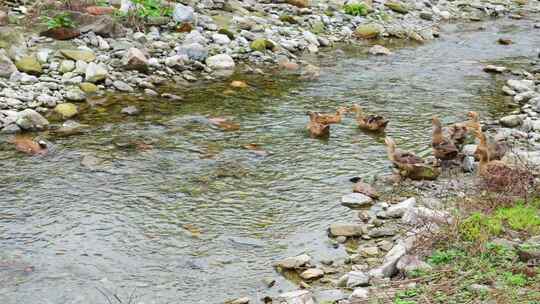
197	218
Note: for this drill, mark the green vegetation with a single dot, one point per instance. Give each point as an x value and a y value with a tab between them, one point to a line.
151	8
59	21
356	9
519	218
102	3
443	257
469	266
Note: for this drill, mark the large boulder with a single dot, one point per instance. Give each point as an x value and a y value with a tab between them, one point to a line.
135	60
183	13
29	64
6	65
10	36
31	120
104	26
95	72
220	62
368	31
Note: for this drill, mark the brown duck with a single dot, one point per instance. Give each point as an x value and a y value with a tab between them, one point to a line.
29	146
496	148
369	122
326	118
409	164
443	147
315	128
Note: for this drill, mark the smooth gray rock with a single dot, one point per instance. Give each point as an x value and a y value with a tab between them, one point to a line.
31	120
194	51
296	297
7	67
357	279
220	62
511	121
293	262
356	200
183	13
348	230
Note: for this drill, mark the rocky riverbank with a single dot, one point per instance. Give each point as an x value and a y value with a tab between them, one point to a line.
389	243
198	41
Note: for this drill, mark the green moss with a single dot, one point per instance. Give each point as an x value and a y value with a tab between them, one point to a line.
261	44
479	226
520	218
288	19
318	28
227	33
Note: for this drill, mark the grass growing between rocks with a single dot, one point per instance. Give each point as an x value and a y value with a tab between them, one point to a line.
487	255
480	259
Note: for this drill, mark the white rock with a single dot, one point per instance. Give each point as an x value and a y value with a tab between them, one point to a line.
220	62
311	38
521	85
95	72
312	273
296	297
360	294
357	278
221	39
293	262
379	50
183	13
356	200
398	210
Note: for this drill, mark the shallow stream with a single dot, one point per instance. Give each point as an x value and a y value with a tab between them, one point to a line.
174	209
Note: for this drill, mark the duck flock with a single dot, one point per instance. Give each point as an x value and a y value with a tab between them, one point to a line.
446	143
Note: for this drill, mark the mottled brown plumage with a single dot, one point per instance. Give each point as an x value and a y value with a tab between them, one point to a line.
443	147
408	164
326	119
316	129
369	122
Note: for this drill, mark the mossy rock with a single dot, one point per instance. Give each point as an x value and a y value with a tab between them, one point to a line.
10	36
397	7
227	33
419	172
29	64
67	110
288	19
261	44
85	56
368	31
318	28
88	88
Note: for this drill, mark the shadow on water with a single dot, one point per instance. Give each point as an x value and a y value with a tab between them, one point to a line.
173	206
